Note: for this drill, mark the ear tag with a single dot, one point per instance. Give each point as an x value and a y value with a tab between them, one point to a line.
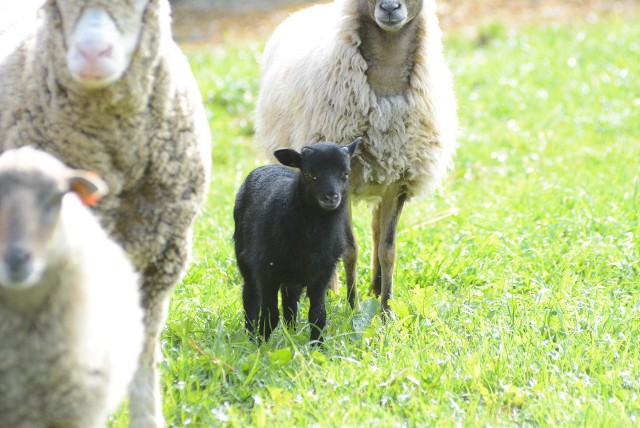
89	187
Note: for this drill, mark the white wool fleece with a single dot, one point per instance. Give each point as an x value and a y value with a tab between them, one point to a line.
314	87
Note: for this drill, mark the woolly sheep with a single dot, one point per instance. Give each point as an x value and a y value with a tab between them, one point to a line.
290	231
371	68
102	86
71	330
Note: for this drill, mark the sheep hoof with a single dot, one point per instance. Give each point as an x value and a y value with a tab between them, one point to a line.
386	314
376	288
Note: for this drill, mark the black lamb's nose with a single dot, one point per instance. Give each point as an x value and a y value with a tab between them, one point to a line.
331	198
390	6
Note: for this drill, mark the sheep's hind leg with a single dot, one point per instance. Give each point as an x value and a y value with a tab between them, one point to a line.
390	210
350	260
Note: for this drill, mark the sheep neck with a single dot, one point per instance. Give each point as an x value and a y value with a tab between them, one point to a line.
390	56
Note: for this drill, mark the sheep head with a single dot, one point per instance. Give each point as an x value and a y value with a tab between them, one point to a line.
391	15
100	37
33	185
324	169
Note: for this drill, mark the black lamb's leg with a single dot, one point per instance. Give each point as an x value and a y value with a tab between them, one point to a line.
290	299
317	310
251	302
269	315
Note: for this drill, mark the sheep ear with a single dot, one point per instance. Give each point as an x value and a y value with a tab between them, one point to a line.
88	186
351	148
306	150
288	157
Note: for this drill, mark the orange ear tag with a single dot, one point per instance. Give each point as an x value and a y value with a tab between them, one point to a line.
89	200
89	187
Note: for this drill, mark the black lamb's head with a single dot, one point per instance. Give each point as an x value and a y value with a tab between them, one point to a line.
325	169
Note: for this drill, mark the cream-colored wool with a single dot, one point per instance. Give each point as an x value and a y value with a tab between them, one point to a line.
69	345
146	134
315	86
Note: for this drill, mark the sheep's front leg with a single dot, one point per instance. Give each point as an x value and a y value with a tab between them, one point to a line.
317	310
350	260
251	303
290	300
145	403
376	279
269	315
389	211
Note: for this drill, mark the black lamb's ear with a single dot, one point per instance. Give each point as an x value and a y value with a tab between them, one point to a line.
288	157
351	148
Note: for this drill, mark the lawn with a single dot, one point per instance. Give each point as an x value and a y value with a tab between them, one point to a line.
517	297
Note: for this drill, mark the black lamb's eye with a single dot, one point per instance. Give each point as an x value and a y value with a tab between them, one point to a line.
345	175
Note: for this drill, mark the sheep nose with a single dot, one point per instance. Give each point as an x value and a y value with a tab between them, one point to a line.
331	198
390	6
92	50
18	261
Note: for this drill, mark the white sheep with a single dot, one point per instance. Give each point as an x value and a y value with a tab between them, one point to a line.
71	330
373	68
102	86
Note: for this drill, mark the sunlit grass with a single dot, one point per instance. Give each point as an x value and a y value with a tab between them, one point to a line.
517	296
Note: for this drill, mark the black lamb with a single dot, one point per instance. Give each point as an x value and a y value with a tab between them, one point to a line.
291	228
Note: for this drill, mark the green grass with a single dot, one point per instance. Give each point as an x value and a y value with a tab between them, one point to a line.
517	296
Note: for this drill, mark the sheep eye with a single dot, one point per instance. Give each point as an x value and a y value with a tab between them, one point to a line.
309	176
53	201
50	206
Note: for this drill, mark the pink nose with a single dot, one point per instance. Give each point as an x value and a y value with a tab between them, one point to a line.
92	50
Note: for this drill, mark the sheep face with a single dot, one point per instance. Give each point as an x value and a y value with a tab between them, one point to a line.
324	168
100	37
392	15
31	199
29	211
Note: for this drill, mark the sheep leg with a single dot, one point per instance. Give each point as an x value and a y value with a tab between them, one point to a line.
333	284
350	260
145	403
290	299
376	278
269	315
390	210
317	310
251	305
